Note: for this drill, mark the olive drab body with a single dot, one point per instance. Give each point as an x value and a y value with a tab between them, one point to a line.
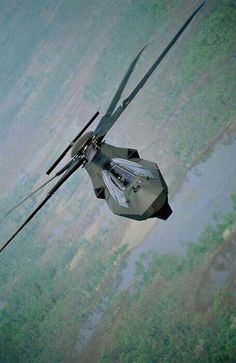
132	187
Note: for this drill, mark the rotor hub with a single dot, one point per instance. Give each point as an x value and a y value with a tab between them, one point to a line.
79	146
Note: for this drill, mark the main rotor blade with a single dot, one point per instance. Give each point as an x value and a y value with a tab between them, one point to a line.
75	165
122	85
39	188
28	196
159	59
63	154
107	117
27	221
108	122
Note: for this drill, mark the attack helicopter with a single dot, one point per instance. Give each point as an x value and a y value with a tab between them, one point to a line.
132	187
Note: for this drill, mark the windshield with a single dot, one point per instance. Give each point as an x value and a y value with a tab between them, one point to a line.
133	167
115	188
118	174
123	176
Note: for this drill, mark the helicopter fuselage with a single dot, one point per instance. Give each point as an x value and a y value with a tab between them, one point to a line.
132	187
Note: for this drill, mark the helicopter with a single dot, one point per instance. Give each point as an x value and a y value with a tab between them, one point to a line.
132	187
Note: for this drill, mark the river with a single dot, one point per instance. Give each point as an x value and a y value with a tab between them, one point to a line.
205	193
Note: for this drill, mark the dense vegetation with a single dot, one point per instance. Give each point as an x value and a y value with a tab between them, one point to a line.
208	64
46	297
160	320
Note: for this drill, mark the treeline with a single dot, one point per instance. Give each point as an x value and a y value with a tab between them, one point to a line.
207	81
158	320
46	299
48	284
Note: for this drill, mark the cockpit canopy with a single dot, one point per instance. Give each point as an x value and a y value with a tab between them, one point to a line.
118	174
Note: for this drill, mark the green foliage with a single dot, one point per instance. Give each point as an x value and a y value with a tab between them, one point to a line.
42	299
212	43
209	64
157	325
50	300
